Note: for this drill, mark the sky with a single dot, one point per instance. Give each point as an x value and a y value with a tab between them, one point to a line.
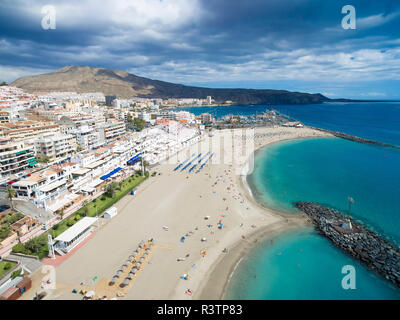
297	45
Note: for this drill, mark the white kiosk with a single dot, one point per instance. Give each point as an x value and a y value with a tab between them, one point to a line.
70	238
110	213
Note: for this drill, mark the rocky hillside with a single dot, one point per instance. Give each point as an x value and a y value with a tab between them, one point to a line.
126	85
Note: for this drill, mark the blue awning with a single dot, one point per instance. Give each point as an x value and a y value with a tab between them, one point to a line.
110	174
135	159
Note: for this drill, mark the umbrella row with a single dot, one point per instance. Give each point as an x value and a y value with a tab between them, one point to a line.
128	262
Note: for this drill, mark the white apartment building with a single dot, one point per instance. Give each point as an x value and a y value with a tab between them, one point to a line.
5	117
111	130
55	147
44	186
15	157
87	137
145	116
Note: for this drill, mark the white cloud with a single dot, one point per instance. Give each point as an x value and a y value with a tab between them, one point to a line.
11	73
375	20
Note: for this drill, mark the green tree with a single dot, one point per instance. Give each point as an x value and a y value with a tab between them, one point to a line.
3	83
145	165
33	245
139	124
10	195
43	159
16	273
8	266
85	208
4	232
61	213
110	189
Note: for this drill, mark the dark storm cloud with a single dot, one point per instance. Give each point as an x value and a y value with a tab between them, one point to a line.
205	40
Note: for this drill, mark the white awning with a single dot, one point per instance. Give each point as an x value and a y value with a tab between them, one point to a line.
76	229
88	188
95	164
95	183
62	201
53	185
80	172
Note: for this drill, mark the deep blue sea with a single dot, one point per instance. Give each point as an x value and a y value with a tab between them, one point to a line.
302	264
376	121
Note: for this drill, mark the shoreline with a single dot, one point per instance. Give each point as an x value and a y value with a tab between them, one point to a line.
218	192
215	286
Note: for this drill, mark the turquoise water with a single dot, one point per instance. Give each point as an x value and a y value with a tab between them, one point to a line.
302	265
324	170
328	171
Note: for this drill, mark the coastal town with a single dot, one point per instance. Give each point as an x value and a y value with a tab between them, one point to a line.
69	159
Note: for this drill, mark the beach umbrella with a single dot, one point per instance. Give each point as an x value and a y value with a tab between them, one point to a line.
114	279
141	259
119	272
89	294
125	282
147	251
131	257
203	239
130	276
145	255
127	262
123	267
137	264
134	270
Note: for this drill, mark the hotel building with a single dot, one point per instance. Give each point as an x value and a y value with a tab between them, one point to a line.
15	157
55	147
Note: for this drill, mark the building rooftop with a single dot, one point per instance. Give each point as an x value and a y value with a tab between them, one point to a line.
76	229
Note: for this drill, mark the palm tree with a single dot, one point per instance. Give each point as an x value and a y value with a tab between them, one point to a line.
145	164
86	210
61	213
95	206
111	189
10	195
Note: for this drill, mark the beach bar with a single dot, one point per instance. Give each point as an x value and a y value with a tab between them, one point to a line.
70	238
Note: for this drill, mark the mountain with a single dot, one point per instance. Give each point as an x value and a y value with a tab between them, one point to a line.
126	85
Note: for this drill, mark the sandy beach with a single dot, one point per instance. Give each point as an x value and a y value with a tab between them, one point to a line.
180	201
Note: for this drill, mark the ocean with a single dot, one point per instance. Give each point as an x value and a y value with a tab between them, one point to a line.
303	264
375	121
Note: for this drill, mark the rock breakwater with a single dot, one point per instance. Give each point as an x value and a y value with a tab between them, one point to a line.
363	244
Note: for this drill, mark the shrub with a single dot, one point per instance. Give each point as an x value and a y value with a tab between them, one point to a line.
19	248
78	217
8	266
16	273
70	223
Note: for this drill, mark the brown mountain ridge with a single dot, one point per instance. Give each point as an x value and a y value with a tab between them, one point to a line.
126	85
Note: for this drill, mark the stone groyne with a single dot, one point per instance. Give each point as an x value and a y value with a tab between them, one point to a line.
355	138
357	240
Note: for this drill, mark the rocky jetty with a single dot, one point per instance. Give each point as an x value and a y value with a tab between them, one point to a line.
355	239
356	139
